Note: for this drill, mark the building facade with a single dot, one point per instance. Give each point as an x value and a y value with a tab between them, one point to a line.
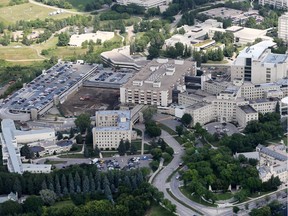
112	127
283	27
153	84
11	151
282	4
258	65
145	3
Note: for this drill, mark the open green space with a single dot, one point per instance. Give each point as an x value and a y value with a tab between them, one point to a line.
195	198
63	203
19	53
54	162
4	3
109	153
167	129
27	11
223	196
216	62
71	156
159	211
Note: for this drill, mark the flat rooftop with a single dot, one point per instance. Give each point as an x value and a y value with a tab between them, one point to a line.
161	74
40	92
248	109
123	120
275	58
197	105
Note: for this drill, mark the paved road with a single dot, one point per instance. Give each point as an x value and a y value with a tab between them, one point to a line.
160	179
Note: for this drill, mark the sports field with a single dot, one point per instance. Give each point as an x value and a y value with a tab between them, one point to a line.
27	11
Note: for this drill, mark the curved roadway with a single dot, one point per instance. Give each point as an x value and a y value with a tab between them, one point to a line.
160	183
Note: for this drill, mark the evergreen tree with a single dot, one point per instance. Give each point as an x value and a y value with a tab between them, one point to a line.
86	185
127	145
107	192
63	182
133	149
44	185
57	185
71	184
277	109
50	183
17	187
127	183
77	181
65	191
122	148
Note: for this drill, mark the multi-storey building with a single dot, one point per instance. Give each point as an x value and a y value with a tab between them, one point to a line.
145	3
112	127
244	114
10	137
258	65
153	84
283	27
276	3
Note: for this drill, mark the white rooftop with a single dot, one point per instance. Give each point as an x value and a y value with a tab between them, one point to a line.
256	50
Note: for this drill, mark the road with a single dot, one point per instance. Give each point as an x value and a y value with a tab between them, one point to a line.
160	179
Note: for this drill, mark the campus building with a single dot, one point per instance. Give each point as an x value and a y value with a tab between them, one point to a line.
281	4
258	65
111	127
272	162
145	3
11	137
283	27
154	83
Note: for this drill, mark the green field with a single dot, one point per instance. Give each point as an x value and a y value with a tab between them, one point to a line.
17	53
159	211
80	5
27	11
4	3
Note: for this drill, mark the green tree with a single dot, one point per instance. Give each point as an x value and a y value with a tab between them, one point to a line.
83	122
59	135
33	204
71	133
179	130
10	208
186	119
63	39
156	154
154	52
236	209
121	148
48	196
26	151
133	149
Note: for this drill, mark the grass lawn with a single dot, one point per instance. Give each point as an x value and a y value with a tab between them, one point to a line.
54	162
18	53
285	140
27	11
167	129
179	140
4	3
159	211
194	198
217	62
71	156
223	196
109	154
62	203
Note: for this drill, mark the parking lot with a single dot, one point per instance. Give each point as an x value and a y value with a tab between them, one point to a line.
104	164
40	92
217	127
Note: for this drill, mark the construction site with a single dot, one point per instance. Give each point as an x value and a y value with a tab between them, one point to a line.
88	100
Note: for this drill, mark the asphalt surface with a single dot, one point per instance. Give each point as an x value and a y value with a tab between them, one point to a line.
160	179
218	127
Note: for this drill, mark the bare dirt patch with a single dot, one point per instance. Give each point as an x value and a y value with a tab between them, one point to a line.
89	100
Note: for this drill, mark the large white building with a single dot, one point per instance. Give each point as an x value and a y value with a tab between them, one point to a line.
283	27
258	65
276	3
112	127
154	83
11	137
145	3
236	101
